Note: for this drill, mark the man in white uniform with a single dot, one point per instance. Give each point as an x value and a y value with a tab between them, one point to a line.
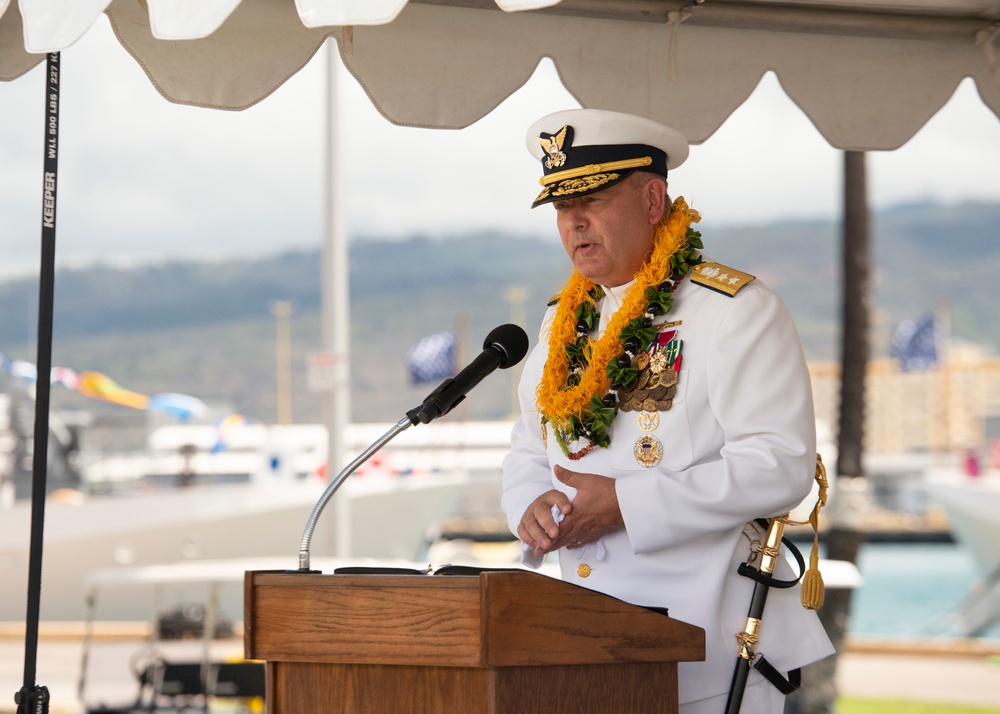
666	405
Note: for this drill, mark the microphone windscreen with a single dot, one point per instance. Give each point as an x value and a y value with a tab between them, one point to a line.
511	340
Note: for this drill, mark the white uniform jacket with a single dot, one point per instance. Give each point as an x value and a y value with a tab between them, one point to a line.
738	443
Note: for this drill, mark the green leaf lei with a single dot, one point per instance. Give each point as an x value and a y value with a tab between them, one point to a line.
594	423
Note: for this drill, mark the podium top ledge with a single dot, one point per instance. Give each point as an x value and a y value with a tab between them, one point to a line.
493	618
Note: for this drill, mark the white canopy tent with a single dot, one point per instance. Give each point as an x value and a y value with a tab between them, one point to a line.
867	74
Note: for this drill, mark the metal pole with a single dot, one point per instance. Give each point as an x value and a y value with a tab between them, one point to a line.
282	311
848	508
33	698
335	328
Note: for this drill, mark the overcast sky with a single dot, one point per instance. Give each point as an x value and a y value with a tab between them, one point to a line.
142	179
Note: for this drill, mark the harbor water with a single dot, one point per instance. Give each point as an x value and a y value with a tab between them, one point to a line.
912	590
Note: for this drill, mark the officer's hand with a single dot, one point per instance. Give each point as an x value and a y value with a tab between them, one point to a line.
595	509
538	529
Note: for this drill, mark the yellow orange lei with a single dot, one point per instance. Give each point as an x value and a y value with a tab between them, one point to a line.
559	403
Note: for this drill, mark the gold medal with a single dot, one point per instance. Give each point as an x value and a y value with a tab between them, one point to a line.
648	420
648	451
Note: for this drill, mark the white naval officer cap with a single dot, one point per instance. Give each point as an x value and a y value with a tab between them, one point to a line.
583	151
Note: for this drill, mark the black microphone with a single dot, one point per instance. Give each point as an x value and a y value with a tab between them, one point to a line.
504	347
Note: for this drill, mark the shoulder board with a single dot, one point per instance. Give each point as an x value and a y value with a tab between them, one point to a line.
720	278
553	300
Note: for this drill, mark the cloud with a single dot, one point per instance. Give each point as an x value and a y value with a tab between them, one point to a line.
953	158
766	161
142	179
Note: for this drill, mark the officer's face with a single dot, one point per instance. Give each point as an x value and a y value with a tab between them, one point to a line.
608	234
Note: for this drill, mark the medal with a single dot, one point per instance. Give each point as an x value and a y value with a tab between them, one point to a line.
656	382
585	375
648	451
648	421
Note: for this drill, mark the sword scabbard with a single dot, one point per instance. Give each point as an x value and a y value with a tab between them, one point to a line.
747	639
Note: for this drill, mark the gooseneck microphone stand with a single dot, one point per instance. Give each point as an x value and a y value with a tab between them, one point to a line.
402	425
504	347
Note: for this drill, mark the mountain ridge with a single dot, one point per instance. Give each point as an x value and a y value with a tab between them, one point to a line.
205	328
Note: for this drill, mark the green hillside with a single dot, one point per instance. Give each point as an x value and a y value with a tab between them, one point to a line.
206	328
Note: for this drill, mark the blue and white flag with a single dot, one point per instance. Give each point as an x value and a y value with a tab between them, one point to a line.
432	358
914	344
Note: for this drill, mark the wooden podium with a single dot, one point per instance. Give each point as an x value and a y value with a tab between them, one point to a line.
500	642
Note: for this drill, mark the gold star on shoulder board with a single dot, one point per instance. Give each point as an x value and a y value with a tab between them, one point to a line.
720	278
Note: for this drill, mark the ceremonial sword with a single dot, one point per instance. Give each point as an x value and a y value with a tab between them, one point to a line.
812	596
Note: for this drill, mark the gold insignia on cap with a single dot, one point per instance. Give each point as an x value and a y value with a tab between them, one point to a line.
553	144
721	278
590	169
587	183
544	194
583	570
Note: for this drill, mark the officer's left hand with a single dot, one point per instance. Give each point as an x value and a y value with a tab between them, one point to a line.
595	511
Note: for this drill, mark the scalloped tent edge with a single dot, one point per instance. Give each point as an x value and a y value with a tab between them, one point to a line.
867	79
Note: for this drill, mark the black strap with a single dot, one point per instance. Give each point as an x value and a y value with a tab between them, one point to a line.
772	675
753	573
